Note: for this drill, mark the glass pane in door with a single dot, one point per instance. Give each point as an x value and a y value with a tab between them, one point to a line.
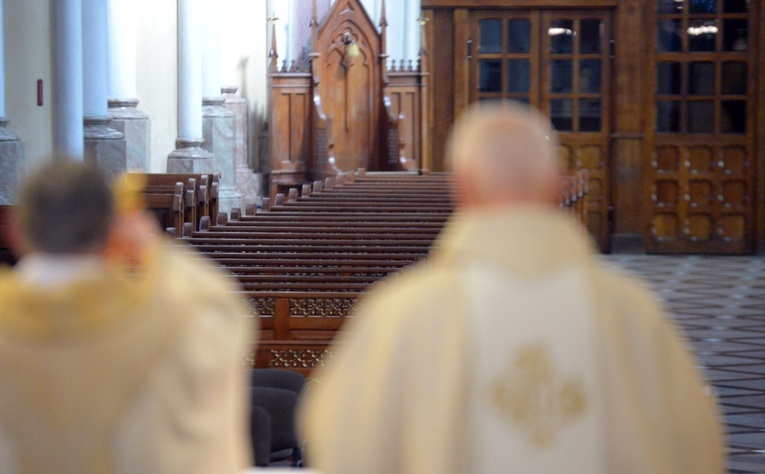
518	75
734	76
589	76
490	75
702	35
561	114
589	115
668	78
590	36
491	36
701	78
561	76
518	35
735	33
561	36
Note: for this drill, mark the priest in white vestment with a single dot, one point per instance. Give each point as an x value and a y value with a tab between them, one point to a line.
511	349
108	371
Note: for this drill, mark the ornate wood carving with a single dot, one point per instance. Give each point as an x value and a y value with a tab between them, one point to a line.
346	107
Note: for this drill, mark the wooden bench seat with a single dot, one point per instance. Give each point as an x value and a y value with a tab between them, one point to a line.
321	260
169	208
269	231
338	218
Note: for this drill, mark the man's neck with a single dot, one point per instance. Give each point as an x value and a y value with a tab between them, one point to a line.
50	270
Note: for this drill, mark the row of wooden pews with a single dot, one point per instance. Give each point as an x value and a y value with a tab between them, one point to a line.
181	201
305	258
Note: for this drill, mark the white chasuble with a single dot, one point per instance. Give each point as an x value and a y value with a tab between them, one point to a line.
535	386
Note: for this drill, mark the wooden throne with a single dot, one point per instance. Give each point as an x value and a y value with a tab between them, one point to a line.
346	106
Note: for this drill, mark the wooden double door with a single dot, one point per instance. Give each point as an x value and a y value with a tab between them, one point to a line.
559	62
702	174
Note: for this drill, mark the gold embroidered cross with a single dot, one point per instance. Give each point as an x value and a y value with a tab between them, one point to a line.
532	396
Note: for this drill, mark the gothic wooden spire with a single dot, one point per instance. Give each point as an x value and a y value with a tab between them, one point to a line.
314	25
423	52
383	44
274	56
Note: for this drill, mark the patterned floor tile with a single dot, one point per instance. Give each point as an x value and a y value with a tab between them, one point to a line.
719	303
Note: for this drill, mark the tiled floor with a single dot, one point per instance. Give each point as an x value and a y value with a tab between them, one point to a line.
720	304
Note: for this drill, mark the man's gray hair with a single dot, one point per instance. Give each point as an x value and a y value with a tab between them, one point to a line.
507	148
66	207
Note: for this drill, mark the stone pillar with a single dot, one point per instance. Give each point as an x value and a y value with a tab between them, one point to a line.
67	88
12	163
248	182
218	125
134	124
12	157
104	147
189	157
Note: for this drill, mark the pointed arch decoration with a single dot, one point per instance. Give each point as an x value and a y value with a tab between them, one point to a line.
347	106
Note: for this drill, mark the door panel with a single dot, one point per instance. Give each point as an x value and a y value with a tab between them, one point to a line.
558	62
701	178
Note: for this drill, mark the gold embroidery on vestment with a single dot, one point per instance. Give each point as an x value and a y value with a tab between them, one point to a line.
533	396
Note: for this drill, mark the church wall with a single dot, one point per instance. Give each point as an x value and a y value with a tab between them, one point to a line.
28	58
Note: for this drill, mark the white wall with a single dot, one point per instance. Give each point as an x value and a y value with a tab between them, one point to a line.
28	57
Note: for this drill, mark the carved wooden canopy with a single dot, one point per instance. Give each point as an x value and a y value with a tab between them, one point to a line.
343	107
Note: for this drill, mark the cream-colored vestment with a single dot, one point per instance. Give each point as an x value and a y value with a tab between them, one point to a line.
110	373
512	349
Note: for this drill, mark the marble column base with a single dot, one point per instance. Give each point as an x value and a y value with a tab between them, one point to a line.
105	147
250	184
136	126
12	164
229	198
218	126
190	157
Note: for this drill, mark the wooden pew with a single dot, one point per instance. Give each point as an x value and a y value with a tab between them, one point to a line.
200	193
168	207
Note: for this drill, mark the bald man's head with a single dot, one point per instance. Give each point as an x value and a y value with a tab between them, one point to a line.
504	154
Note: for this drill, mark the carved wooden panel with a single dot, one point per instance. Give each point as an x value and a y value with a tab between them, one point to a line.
702	199
405	100
349	76
291	115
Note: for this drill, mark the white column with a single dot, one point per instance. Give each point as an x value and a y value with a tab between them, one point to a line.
188	156
211	70
67	86
95	68
189	70
105	147
122	20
